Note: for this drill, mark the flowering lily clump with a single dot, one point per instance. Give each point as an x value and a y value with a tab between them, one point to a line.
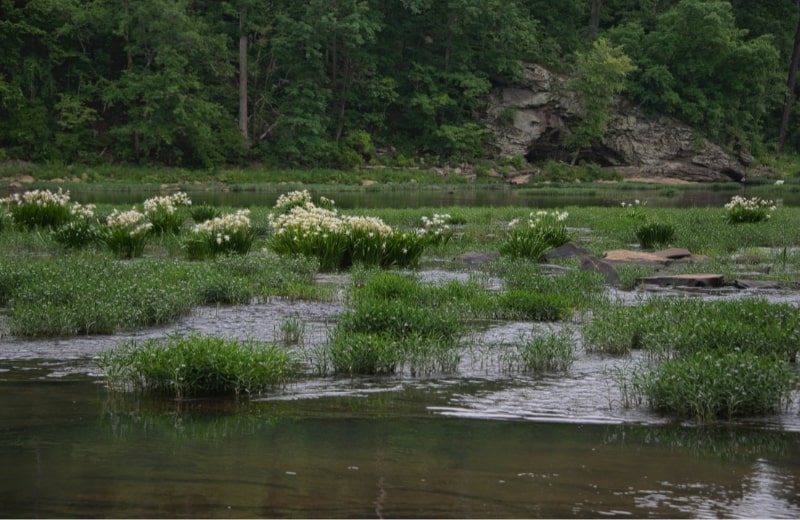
743	210
126	233
164	212
540	232
82	229
301	227
39	208
228	234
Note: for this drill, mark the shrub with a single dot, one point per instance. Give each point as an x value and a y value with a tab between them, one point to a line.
126	233
39	208
164	212
742	210
711	385
228	234
184	366
541	232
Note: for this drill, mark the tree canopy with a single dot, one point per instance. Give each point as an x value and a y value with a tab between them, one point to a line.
204	83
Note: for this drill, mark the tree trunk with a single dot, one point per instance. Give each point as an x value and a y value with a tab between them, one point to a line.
594	18
243	74
790	85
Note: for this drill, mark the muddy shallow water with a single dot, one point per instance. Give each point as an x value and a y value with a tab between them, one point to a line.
478	443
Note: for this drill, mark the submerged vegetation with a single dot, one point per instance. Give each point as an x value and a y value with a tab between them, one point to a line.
66	278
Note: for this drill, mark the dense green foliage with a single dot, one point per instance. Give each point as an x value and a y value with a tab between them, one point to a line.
205	83
185	366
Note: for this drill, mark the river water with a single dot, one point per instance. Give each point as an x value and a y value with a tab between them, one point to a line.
478	443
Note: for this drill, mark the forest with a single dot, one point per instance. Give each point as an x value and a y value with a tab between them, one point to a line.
300	83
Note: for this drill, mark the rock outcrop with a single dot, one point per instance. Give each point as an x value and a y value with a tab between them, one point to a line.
533	116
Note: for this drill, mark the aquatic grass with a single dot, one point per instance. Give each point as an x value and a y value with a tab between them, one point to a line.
668	326
710	385
574	287
542	231
94	294
523	305
291	331
541	352
38	208
196	365
365	353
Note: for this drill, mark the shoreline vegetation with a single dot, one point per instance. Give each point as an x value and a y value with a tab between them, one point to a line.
69	275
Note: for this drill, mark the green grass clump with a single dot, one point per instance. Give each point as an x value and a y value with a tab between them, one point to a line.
706	386
524	305
548	352
93	294
668	326
184	366
395	321
654	233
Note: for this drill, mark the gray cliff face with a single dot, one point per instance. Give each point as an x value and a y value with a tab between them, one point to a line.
533	116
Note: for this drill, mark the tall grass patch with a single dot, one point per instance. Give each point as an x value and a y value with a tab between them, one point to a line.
667	326
710	385
184	366
541	351
393	321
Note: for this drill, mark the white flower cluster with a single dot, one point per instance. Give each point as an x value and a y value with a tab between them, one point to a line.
536	218
635	204
753	204
221	228
437	225
39	198
167	203
310	220
293	198
83	212
132	220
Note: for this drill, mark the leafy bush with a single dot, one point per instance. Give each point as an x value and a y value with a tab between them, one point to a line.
542	231
185	366
721	384
741	210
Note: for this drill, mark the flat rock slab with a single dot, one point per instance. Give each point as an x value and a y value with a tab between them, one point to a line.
673	253
684	280
473	258
635	257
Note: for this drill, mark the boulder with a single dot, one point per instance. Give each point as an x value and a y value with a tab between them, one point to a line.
533	116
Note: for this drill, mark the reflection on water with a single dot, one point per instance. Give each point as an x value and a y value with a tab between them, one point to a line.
69	449
540	196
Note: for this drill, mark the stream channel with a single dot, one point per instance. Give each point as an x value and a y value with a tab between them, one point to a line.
479	443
